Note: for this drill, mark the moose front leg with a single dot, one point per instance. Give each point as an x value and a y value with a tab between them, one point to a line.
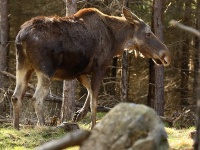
39	96
95	85
80	114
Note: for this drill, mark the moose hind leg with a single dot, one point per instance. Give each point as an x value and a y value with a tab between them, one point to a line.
80	114
39	96
22	78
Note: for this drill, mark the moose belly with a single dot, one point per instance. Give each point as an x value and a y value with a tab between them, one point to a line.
62	74
70	72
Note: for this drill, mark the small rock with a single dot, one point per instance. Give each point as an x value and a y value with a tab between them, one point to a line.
68	127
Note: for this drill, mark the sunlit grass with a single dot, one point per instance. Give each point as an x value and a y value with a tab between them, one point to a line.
179	139
28	139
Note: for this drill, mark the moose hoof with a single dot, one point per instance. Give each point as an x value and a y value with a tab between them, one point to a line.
79	115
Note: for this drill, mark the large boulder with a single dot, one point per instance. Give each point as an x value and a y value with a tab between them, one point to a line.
128	126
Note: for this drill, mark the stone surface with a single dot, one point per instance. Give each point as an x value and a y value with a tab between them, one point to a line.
126	127
68	127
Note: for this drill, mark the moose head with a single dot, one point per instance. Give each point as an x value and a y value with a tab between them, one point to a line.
144	40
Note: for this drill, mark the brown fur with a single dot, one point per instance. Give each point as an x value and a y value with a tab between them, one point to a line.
72	47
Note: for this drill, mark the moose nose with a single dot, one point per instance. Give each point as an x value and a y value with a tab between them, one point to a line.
165	57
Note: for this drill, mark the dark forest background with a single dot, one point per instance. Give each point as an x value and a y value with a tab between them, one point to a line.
180	80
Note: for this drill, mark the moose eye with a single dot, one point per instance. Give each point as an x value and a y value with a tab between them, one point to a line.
148	35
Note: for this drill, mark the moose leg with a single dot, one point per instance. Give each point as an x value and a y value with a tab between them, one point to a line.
39	96
22	77
95	85
80	114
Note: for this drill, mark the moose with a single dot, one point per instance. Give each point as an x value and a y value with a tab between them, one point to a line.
65	48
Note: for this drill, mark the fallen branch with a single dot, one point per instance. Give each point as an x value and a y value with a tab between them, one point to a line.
51	97
14	78
8	74
5	121
71	139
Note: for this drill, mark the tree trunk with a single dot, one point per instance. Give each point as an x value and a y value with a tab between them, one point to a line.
71	7
113	75
68	104
197	81
111	87
151	92
3	50
159	69
125	3
185	57
124	80
196	55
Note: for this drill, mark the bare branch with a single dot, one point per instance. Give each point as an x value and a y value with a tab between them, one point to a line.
50	97
186	28
13	77
53	98
8	74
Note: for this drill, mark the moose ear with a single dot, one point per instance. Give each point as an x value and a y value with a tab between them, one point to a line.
130	17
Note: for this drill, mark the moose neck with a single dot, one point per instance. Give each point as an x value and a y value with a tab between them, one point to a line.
121	31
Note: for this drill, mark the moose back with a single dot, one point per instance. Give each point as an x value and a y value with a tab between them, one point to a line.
73	47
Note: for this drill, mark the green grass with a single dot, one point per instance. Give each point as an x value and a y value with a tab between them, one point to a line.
28	139
179	139
25	139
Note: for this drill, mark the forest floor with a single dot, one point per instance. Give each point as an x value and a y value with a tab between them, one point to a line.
29	138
